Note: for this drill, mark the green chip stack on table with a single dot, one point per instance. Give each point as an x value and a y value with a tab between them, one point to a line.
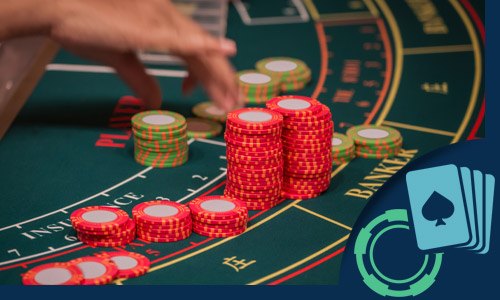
374	141
160	138
258	87
343	149
293	73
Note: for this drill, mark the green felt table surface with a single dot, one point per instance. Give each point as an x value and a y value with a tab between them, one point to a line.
418	69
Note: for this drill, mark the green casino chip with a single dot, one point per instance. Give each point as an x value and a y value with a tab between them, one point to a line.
341	144
374	135
158	120
382	284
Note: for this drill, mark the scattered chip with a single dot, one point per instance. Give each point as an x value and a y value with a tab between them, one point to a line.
202	128
129	264
208	110
96	270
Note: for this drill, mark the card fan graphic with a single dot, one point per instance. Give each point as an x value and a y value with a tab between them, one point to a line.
451	206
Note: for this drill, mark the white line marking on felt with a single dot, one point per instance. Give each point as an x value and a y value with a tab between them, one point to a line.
202	188
39	254
64	209
104	69
18	225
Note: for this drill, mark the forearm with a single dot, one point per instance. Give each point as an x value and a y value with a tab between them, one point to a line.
26	17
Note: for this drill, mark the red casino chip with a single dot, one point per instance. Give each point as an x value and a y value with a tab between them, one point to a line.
165	239
161	212
96	270
99	218
261	205
219	229
294	106
254	119
295	196
237	221
53	274
107	243
228	135
219	234
217	207
164	229
127	231
129	264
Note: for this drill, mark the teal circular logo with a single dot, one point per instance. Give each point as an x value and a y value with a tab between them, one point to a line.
373	277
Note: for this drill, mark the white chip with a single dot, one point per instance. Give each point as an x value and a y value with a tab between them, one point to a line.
294	104
281	66
158	119
255	116
255	78
217	205
99	216
373	133
161	211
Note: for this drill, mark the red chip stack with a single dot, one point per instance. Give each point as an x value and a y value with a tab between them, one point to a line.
162	221
102	226
218	216
254	157
306	138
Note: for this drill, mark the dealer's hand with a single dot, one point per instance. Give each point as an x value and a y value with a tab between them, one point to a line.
112	31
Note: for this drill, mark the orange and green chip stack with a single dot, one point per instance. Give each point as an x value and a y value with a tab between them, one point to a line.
258	87
375	141
160	139
343	149
292	73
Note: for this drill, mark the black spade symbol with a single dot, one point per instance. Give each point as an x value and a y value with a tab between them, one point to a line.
438	208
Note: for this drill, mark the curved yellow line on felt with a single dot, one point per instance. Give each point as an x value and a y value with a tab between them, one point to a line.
300	262
398	61
477	69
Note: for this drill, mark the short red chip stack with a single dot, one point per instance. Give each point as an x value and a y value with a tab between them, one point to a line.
254	157
102	226
218	216
162	221
306	138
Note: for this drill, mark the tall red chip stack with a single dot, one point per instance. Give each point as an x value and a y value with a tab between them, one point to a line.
306	139
254	157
